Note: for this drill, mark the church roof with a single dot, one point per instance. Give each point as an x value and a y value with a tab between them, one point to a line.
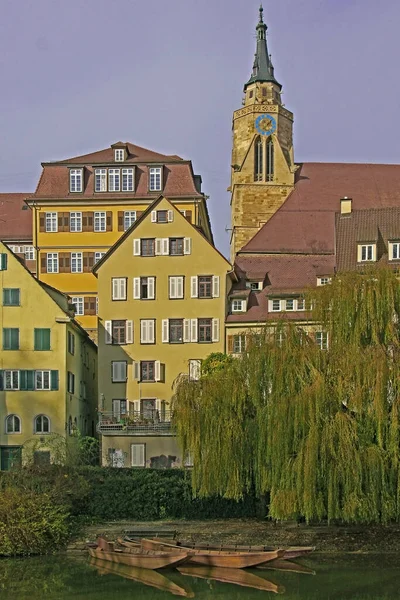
263	69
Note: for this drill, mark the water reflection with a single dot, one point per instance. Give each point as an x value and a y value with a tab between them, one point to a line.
235	576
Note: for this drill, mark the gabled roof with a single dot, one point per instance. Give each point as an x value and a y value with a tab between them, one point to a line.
305	223
15	218
135	154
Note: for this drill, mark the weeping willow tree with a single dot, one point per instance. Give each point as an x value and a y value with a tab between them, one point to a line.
316	430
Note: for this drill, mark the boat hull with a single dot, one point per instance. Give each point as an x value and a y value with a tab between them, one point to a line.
158	560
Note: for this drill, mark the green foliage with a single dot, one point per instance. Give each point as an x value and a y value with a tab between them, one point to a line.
30	523
74	450
316	430
216	361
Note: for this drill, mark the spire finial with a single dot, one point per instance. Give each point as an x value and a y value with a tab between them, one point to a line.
262	67
261	13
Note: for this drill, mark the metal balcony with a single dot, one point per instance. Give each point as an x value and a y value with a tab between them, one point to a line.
149	422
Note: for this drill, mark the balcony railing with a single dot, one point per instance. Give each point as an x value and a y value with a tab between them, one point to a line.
146	422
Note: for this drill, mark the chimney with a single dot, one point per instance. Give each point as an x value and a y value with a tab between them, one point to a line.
345	205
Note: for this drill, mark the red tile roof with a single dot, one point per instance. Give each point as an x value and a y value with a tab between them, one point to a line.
15	218
136	154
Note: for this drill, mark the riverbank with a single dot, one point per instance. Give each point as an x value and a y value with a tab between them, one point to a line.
326	539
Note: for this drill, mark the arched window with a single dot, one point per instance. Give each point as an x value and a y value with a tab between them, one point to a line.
258	159
13	424
270	160
42	424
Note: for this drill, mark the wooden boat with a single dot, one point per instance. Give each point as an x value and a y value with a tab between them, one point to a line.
145	576
235	576
216	558
139	557
281	564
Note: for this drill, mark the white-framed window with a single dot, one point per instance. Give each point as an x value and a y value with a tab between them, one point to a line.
100	222
119	154
78	302
114	180
239	344
127	180
118	286
13	424
100	180
129	218
366	252
324	280
75	180
138	455
194	369
30	252
144	288
147	331
51	222
321	338
155	179
70	382
176	287
289	304
52	262
238	305
98	256
42	380
275	305
75	221
76	262
11	380
301	304
119	371
394	250
41	424
255	286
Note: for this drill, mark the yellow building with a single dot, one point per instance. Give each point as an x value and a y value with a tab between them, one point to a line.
162	306
48	371
83	205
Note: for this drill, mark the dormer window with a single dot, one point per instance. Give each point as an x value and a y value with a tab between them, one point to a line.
394	250
119	155
155	179
75	180
324	280
366	253
114	180
255	286
238	306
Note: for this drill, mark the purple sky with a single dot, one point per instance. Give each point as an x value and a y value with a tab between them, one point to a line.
77	76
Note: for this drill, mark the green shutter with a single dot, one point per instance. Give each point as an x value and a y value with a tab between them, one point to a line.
1	379
42	339
54	380
6	297
26	380
11	297
14	338
10	338
3	262
15	297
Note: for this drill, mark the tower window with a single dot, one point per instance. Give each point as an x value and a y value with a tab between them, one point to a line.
270	160
251	94
258	160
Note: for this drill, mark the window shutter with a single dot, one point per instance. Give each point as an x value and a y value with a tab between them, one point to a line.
90	221
136	247
193	330
154	216
136	288
186	330
157	370
172	287
136	370
84	222
109	220
61	267
66	221
43	263
230	344
158	407
67	262
60	221
165	331
120	220
150	288
188	215
158	247
179	287
115	288
187	245
114	371
150	331
108	332
165	246
54	380
122	290
143	332
129	332
215	286
215	330
2	380
3	263
137	455
170	216
193	286
136	406
42	223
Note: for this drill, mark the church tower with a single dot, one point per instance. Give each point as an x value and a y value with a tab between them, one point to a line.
262	168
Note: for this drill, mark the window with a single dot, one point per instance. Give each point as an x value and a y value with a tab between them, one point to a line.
394	250
176	331
75	221
100	180
71	343
42	380
290	304
155	183
146	288
194	369
70	383
255	285
275	305
119	155
114	180
42	339
147	331
118	332
78	304
270	160
176	246
13	424
3	261
147	370
301	304
239	344
127	180
42	424
10	339
147	247
100	223
205	286
366	252
176	287
30	253
52	262
321	338
11	380
51	221
129	218
205	330
11	297
258	160
98	256
162	216
76	262
323	280
75	180
118	371
118	288
138	452
238	306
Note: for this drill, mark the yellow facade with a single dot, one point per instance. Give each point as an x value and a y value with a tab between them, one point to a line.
52	382
168	342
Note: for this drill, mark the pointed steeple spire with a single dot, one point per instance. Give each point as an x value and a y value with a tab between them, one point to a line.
262	67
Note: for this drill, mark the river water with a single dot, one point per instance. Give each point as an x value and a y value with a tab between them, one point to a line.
353	577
